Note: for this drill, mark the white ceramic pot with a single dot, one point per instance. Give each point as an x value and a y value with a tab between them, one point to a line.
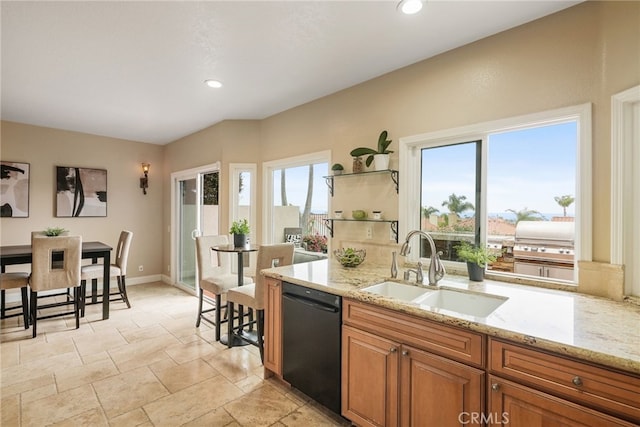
381	162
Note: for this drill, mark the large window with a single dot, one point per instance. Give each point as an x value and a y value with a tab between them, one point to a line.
297	200
512	185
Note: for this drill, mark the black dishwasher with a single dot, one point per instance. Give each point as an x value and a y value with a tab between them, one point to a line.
311	335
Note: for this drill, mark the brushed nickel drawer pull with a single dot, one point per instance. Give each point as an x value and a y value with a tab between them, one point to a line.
405	352
577	381
393	349
495	386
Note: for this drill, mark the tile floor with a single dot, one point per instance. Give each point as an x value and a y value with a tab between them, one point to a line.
145	366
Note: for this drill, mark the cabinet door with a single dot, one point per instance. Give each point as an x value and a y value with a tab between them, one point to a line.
511	404
436	391
273	326
369	378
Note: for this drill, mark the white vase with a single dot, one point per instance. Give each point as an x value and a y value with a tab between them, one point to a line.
381	162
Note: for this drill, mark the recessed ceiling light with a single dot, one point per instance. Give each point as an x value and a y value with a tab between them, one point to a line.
409	7
213	83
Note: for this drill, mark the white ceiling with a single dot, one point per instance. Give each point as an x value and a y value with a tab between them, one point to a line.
135	70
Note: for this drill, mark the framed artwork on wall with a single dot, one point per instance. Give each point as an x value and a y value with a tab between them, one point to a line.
81	192
14	189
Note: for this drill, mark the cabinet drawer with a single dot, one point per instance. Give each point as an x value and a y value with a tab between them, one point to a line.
457	344
607	390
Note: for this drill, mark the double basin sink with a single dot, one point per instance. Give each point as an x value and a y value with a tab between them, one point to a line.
441	298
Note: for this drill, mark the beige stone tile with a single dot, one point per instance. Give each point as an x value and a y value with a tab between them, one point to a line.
59	406
30	351
308	416
10	410
234	363
9	354
161	365
192	402
98	342
137	417
249	383
38	393
142	353
24	386
139	334
182	352
95	357
37	368
122	393
93	417
261	407
185	375
216	418
68	378
149	318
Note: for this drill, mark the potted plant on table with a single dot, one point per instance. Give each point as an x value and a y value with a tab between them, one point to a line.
477	258
381	155
240	229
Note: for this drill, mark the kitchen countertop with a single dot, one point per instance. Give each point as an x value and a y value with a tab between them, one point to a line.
590	328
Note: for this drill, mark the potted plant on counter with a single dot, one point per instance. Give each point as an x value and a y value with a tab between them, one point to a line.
240	229
381	155
477	258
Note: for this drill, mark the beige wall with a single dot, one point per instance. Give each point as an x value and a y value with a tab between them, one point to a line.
585	53
127	207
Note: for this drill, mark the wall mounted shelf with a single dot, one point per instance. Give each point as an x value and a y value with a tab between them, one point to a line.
392	223
393	173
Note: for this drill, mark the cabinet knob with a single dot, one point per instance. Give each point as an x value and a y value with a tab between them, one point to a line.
393	349
495	386
405	352
577	381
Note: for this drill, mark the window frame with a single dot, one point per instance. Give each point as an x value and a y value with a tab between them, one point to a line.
410	171
267	184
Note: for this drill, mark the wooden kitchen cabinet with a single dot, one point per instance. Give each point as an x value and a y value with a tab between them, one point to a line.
388	382
511	404
370	375
273	326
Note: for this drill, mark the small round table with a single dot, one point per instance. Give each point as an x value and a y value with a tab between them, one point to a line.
240	250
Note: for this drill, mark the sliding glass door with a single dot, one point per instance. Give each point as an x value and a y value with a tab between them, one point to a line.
196	213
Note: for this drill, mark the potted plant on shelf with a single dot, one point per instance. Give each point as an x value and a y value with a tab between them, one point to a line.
337	168
381	155
315	242
477	258
240	229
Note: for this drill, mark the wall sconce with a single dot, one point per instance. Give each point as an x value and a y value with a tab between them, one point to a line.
144	182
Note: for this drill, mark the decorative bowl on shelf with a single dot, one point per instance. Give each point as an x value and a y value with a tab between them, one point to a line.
350	257
358	214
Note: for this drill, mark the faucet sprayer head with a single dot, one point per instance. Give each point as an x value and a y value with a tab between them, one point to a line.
405	249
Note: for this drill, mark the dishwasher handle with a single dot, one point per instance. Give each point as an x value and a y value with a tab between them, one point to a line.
310	303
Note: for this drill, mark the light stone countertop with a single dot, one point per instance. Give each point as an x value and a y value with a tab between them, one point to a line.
590	328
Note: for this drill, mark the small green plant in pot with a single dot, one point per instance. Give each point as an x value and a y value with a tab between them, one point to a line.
337	168
55	231
381	155
240	229
477	258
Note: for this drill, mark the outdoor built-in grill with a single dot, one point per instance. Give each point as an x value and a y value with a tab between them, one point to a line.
544	249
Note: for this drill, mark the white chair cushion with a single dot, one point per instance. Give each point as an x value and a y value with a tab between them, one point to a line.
244	295
14	280
220	284
95	271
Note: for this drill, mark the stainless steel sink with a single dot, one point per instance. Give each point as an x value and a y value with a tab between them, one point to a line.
471	303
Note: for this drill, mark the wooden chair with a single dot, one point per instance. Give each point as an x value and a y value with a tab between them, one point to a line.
118	269
214	276
16	281
252	295
48	275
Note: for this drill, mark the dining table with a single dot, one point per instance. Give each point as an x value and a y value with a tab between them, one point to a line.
22	254
241	251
